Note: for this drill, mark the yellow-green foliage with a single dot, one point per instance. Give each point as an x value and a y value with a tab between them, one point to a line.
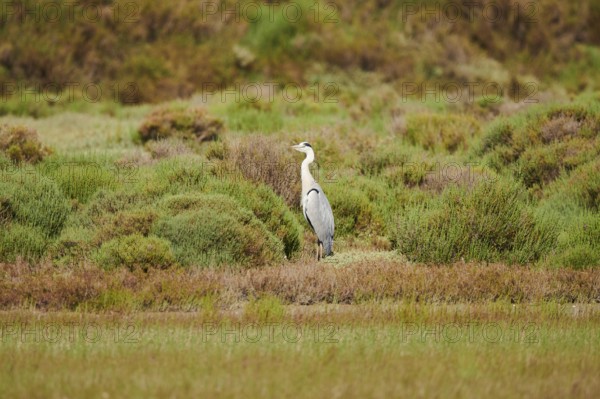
33	200
268	208
242	225
128	222
20	241
259	116
81	177
441	132
21	144
136	251
73	247
581	187
355	205
183	175
265	309
491	222
579	244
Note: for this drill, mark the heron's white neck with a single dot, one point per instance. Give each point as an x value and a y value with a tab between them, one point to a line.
307	179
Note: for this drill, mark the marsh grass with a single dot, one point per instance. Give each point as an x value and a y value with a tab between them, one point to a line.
445	350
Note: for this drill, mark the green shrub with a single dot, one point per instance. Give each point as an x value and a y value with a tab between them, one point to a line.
579	256
582	187
377	160
491	222
72	247
106	202
127	222
192	124
273	37
34	200
21	144
213	230
6	213
540	145
26	242
17	105
80	178
441	132
354	212
579	243
188	175
136	251
267	207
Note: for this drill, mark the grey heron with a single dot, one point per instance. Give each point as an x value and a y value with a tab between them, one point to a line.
315	206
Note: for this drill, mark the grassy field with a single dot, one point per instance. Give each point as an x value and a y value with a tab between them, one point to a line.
461	351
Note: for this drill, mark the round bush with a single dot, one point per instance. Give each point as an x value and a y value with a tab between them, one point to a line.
189	176
33	200
136	251
267	206
441	132
212	230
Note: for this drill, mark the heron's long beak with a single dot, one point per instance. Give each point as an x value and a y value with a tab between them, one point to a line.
296	147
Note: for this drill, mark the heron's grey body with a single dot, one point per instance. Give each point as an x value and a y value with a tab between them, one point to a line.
315	206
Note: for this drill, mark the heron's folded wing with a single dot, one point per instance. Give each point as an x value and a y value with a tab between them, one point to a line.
319	215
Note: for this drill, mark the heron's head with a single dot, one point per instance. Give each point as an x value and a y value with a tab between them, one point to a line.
302	147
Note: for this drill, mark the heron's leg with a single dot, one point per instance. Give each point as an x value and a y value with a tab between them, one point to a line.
321	250
318	251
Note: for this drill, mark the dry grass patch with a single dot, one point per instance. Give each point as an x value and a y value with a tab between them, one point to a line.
21	144
192	124
269	161
46	287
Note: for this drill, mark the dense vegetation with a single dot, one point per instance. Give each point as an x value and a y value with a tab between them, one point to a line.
209	179
147	51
